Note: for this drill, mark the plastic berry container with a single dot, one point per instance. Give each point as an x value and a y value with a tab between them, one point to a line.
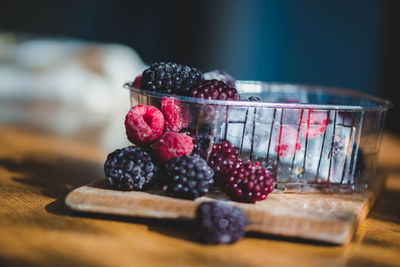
314	138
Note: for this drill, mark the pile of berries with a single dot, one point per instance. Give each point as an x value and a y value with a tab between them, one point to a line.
165	153
186	165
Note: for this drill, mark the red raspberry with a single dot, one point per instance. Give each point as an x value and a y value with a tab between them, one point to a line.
288	142
137	81
314	124
143	124
175	114
247	182
171	145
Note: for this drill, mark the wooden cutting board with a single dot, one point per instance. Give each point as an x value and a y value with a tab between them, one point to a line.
331	218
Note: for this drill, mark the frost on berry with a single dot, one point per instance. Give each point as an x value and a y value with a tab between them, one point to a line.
314	123
171	145
213	89
222	155
247	182
287	141
176	114
219	223
220	75
143	124
188	177
130	168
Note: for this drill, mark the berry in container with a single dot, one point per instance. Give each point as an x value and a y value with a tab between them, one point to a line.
312	138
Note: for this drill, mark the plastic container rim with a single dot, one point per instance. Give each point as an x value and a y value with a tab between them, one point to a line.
379	104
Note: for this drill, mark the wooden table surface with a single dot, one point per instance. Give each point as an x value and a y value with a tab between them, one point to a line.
40	165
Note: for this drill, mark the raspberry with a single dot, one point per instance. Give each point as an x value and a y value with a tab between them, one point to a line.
287	145
213	89
188	177
171	145
315	124
143	124
247	182
170	78
175	114
219	223
137	81
130	168
220	75
222	156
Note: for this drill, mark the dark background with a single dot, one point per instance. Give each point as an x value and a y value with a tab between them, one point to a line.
352	44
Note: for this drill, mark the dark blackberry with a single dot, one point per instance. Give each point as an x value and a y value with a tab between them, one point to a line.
222	155
220	223
170	78
247	182
188	177
220	75
130	168
213	89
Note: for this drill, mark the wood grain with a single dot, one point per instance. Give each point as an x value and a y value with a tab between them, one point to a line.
331	218
39	167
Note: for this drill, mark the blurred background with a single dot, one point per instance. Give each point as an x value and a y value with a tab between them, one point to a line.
80	52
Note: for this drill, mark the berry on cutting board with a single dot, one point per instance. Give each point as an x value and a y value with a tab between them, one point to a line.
171	145
170	78
188	177
222	155
130	168
219	223
144	124
214	89
247	182
176	115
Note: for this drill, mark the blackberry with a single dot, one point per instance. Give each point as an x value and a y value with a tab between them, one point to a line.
220	223
220	75
222	155
213	89
188	177
130	168
170	78
247	182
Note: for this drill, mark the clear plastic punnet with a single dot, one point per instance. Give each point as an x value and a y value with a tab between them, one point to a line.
314	138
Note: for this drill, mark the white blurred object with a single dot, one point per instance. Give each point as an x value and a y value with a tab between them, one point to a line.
80	75
72	71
